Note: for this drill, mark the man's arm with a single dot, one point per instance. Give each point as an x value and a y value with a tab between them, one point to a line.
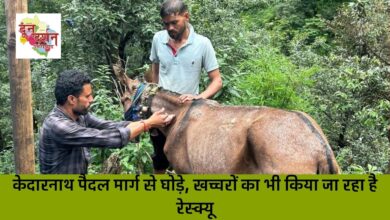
71	134
154	59
94	122
212	89
214	86
155	72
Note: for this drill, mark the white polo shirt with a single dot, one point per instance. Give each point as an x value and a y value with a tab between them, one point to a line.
181	72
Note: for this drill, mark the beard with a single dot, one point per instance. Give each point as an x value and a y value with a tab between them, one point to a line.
80	111
177	35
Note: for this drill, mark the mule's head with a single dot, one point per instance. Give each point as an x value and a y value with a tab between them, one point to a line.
127	85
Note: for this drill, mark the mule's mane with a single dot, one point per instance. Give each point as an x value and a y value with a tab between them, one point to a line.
168	92
171	97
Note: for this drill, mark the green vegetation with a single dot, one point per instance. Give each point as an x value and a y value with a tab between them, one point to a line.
271	79
330	59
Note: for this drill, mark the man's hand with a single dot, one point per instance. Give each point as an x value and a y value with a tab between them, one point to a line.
159	119
188	97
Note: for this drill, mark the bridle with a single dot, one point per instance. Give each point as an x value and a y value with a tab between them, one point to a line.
141	102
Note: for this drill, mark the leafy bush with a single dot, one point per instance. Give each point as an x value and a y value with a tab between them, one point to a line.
357	169
43	82
352	108
106	102
5	102
270	79
136	157
5	116
7	161
348	54
214	19
362	27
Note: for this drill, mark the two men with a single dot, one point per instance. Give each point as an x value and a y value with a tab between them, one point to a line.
178	55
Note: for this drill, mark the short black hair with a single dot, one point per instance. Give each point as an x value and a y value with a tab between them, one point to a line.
70	82
170	7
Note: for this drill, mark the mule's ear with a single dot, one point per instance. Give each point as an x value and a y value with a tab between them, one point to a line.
120	73
132	84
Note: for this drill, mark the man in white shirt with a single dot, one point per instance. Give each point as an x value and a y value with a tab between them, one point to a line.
178	55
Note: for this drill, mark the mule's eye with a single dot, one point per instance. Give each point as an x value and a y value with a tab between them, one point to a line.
133	87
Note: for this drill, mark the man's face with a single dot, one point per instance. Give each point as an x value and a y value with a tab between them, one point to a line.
83	101
176	24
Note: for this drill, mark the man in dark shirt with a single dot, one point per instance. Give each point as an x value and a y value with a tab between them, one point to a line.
69	129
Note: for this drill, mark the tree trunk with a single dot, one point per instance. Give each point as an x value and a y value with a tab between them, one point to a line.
21	98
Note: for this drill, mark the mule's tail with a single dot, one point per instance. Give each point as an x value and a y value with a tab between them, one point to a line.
328	163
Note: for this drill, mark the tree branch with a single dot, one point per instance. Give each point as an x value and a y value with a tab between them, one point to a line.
122	46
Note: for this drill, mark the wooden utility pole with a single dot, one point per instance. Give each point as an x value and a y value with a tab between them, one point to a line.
21	97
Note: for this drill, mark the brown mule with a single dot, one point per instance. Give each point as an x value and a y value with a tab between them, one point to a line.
207	137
